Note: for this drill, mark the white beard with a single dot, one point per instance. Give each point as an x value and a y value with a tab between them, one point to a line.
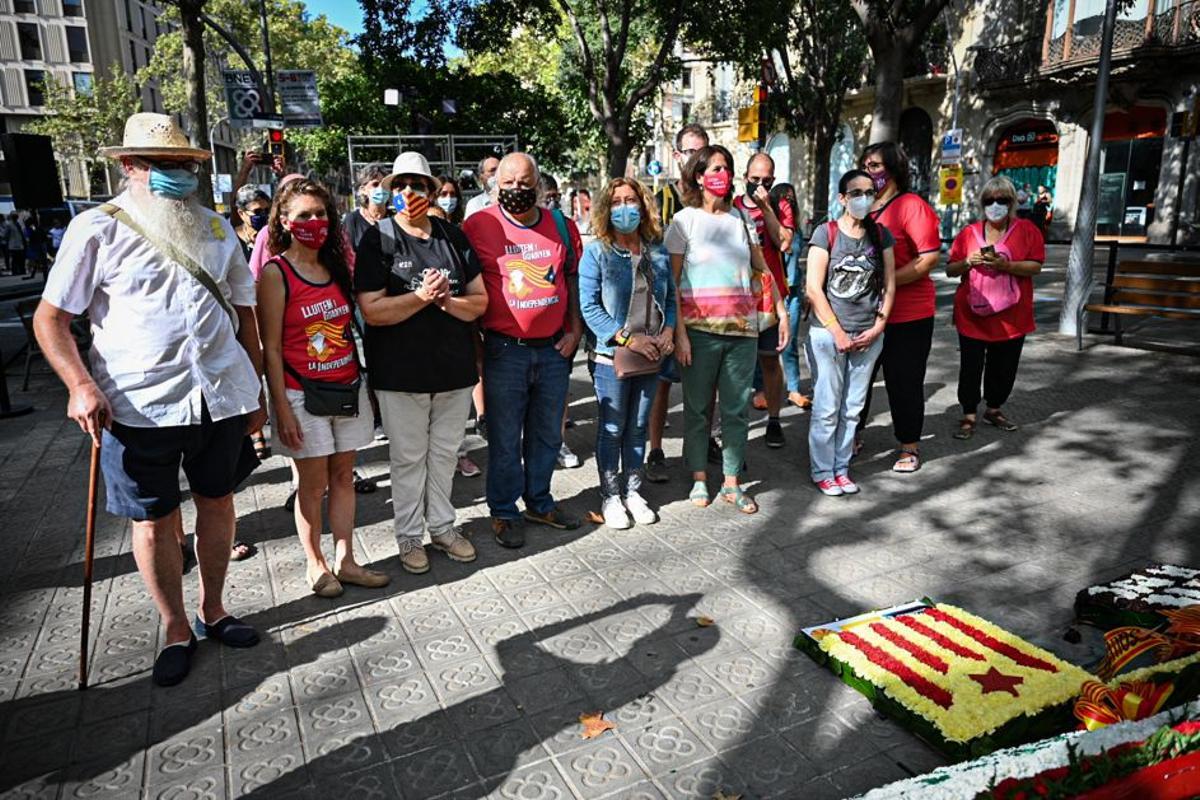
180	222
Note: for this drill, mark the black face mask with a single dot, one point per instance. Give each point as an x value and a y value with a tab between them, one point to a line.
517	201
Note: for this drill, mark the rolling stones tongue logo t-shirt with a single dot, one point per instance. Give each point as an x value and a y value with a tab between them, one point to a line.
525	272
854	277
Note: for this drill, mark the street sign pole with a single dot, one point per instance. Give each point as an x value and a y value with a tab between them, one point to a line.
266	37
1079	265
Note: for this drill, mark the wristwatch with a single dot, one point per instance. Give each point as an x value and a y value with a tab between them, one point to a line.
622	337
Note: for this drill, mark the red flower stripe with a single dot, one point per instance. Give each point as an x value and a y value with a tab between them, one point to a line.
881	659
1024	659
920	653
942	641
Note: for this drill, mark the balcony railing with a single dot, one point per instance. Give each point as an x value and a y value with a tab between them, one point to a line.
1021	61
1177	26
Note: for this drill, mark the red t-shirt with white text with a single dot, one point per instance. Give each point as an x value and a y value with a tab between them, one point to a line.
1023	243
915	227
524	271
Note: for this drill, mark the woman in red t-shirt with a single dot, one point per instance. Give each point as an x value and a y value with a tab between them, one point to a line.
909	333
305	309
993	307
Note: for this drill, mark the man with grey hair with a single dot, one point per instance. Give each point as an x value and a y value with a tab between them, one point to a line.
531	328
486	175
372	202
175	371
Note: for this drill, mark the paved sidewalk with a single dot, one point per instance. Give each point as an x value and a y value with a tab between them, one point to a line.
469	681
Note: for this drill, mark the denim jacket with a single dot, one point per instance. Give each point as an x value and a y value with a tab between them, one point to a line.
606	285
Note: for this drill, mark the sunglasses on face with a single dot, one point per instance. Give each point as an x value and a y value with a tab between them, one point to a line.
767	182
416	186
1004	201
860	193
163	166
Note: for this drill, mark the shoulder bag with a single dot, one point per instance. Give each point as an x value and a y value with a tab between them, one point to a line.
626	362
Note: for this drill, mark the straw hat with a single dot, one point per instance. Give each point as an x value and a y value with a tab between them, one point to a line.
411	164
155	136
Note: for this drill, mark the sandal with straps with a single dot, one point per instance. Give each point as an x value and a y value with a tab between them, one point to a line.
997	419
909	461
699	494
966	428
738	499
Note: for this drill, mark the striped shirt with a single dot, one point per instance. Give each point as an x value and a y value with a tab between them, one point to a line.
716	291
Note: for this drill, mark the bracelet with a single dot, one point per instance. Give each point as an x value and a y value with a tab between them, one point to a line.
622	337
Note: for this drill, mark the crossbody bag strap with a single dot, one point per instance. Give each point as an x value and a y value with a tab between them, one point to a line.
560	222
174	254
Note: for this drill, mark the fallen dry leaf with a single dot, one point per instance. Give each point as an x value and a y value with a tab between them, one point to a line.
594	724
705	622
595	518
722	796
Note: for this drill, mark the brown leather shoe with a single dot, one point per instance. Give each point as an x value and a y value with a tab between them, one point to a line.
413	557
361	576
508	532
454	545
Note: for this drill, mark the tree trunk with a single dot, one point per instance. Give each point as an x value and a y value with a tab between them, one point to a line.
195	118
617	157
889	91
822	150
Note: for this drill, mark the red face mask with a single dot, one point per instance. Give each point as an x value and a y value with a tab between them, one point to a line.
310	232
717	182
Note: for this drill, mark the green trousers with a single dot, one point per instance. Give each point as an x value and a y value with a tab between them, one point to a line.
726	363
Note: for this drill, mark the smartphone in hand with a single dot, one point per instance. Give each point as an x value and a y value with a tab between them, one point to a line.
988	250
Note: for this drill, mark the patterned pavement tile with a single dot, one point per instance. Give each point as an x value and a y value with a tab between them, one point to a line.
506	748
433	772
601	768
205	785
665	745
541	781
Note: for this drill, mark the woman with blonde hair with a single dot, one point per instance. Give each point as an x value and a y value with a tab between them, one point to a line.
995	259
627	299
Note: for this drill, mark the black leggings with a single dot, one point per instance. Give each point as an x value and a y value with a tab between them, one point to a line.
905	354
995	363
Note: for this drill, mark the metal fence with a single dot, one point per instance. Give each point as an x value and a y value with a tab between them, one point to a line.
449	154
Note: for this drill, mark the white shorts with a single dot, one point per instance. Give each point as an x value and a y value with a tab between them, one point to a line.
324	436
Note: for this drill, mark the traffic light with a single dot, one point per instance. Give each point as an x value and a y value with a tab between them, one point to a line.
276	144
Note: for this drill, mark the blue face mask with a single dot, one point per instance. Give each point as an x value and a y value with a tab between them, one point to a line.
625	218
447	204
258	221
398	204
378	196
174	184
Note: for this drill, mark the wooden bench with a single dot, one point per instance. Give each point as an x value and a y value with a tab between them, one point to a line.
1168	289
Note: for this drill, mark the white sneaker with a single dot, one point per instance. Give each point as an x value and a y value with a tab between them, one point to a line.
614	513
380	434
642	513
567	459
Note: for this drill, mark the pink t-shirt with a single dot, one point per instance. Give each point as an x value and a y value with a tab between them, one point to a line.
524	271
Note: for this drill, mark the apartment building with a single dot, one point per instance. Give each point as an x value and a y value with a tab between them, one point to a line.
123	33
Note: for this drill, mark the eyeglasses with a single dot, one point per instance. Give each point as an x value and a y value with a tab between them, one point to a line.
1004	201
767	182
860	193
414	185
191	166
873	165
691	151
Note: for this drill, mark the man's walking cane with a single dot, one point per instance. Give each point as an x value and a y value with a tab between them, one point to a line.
88	552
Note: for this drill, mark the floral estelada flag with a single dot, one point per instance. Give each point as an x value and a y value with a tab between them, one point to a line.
961	673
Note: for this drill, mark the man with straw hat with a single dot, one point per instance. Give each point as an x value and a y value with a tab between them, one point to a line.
174	371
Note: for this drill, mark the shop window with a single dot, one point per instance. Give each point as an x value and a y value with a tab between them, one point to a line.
1027	153
31	41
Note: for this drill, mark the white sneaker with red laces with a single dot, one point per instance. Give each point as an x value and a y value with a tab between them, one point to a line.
829	487
846	485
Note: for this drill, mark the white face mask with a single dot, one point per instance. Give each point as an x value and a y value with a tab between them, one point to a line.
859	206
995	212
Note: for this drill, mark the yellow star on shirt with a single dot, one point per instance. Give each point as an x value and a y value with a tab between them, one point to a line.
218	230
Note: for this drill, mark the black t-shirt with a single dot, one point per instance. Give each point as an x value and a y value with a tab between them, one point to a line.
356	225
431	351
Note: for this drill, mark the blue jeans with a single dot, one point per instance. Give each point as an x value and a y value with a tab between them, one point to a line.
621	432
839	392
791	353
525	389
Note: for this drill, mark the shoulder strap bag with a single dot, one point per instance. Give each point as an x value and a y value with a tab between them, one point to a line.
626	362
176	255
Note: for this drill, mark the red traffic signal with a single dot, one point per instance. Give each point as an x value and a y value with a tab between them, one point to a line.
276	144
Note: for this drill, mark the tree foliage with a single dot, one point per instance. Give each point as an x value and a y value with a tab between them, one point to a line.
619	51
79	122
